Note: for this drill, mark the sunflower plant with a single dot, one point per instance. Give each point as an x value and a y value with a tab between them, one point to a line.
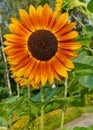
40	50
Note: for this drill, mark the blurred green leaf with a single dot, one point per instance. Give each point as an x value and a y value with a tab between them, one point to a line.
90	6
78	101
2	122
83	72
87	81
84	59
11	100
56	103
83	64
80	128
49	93
43	2
86	37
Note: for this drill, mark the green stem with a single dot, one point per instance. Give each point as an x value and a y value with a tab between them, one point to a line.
77	3
5	62
18	91
85	12
77	20
29	94
63	109
28	89
42	109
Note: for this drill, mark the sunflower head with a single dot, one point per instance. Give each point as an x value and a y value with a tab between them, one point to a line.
40	45
62	6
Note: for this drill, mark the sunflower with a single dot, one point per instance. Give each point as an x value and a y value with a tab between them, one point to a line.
40	45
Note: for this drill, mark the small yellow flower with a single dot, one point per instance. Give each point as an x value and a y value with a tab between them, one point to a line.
58	7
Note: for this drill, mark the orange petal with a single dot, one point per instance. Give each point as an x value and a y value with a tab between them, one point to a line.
16	30
59	68
52	21
44	73
66	29
10	50
68	53
30	67
38	76
69	36
46	15
20	64
69	45
50	73
25	20
60	22
32	76
33	16
15	44
65	61
19	25
15	38
39	17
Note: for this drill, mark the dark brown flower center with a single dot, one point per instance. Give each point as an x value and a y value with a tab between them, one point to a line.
42	44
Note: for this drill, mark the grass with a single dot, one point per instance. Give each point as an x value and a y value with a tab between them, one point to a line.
55	117
90	128
52	119
88	109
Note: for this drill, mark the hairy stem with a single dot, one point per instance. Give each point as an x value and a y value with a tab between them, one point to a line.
42	110
29	94
63	109
18	91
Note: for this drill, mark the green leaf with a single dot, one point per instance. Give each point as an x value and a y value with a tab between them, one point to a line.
2	122
80	128
11	99
83	72
87	81
33	107
86	37
78	101
87	29
84	60
43	2
55	104
90	6
49	93
53	92
83	64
